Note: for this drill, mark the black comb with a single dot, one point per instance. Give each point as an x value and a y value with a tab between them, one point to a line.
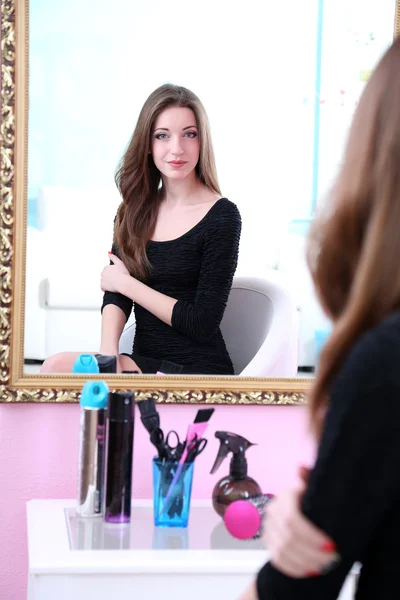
204	415
148	414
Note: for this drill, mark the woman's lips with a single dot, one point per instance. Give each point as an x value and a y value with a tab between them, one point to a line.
176	164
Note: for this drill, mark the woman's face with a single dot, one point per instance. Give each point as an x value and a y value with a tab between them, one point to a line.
175	142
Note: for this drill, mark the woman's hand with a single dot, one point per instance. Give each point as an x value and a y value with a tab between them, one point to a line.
112	275
297	547
118	264
111	279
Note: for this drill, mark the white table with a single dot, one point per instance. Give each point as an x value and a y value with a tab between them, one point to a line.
81	559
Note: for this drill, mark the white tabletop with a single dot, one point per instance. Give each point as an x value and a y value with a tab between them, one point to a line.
71	557
60	542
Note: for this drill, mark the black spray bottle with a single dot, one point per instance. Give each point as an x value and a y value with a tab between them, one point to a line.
120	429
237	485
107	364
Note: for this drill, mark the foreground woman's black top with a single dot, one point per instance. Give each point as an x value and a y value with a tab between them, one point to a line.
354	490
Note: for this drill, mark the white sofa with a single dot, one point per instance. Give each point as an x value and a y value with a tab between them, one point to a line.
66	255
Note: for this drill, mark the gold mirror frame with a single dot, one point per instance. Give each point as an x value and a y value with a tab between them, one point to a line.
16	387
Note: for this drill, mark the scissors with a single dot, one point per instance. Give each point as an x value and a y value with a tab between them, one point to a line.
195	447
167	451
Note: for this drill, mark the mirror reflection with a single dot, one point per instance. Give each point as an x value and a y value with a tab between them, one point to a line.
195	147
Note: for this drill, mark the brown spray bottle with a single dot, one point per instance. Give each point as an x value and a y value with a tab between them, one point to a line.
237	485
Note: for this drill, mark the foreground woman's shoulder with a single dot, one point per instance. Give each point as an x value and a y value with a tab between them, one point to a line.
374	359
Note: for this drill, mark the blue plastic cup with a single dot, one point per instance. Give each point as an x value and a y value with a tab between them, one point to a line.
176	512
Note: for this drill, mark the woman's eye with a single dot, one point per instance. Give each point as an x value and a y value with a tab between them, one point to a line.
191	134
161	136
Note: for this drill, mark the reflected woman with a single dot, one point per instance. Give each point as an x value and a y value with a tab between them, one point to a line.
175	249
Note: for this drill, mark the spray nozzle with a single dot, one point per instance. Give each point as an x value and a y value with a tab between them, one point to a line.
94	394
231	442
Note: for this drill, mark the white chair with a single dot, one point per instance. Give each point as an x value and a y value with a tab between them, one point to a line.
260	329
126	339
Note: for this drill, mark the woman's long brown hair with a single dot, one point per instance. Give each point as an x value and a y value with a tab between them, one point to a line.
138	179
354	245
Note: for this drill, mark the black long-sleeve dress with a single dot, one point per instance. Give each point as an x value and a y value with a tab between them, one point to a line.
196	269
354	490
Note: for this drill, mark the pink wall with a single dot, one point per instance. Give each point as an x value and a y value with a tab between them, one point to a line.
38	458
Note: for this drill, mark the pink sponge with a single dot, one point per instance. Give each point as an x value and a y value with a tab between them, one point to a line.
242	520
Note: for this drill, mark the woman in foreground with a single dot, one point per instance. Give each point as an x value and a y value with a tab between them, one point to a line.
348	508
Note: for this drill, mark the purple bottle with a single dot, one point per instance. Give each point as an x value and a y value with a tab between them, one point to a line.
120	429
